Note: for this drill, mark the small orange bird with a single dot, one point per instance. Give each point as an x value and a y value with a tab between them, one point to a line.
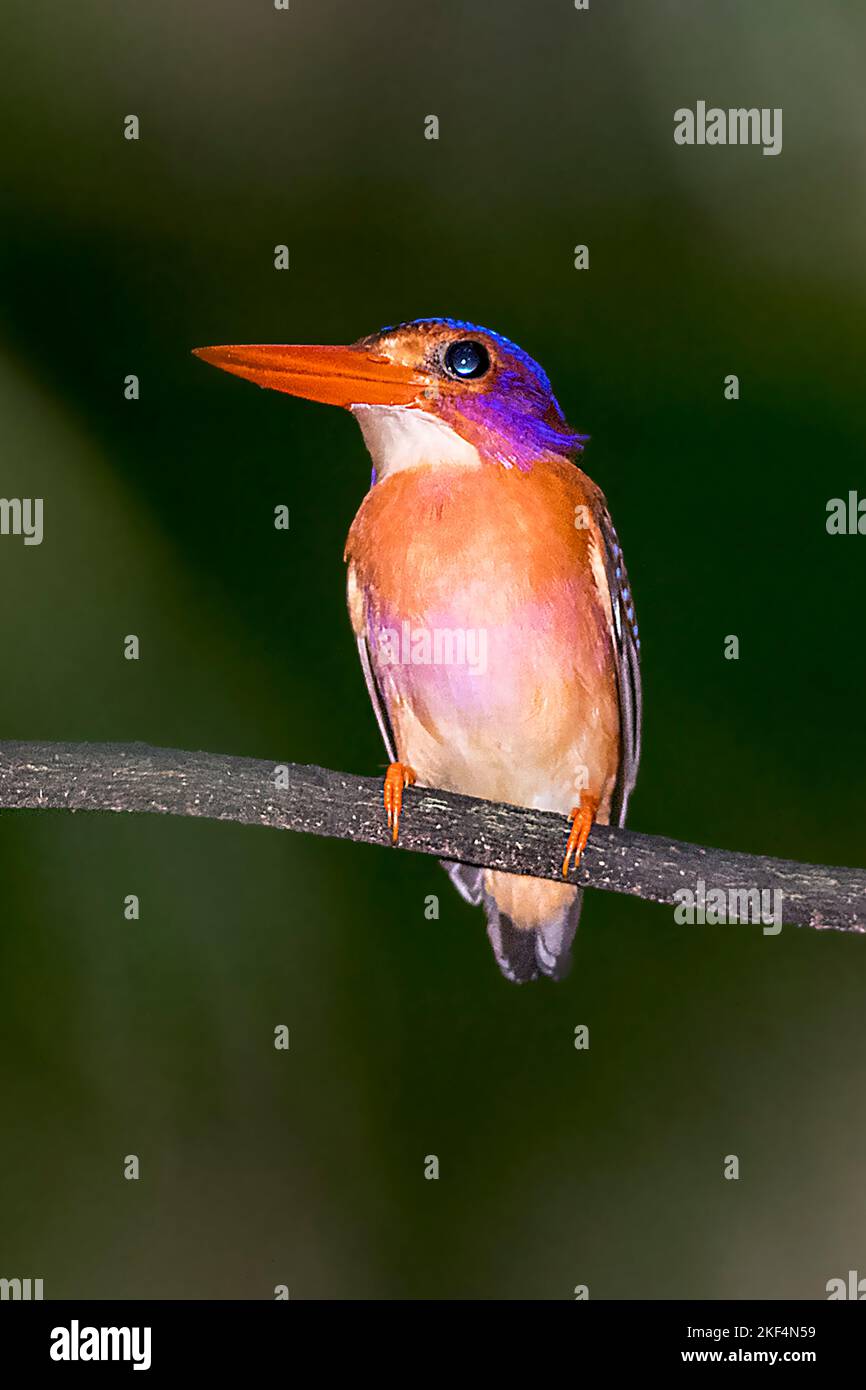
488	596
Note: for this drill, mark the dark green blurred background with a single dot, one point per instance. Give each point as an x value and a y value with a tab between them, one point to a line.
306	128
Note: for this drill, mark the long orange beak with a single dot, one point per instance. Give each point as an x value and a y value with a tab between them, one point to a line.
344	376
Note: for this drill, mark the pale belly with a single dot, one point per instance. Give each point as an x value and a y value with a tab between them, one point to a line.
503	711
487	637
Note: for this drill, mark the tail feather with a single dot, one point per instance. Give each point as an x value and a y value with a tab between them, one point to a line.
523	953
553	941
514	949
468	881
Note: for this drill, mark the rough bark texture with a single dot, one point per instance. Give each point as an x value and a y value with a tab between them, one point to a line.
135	777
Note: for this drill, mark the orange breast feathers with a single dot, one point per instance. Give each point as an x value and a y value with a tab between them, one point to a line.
483	598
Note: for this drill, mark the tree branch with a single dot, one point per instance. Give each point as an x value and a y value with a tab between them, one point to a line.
135	777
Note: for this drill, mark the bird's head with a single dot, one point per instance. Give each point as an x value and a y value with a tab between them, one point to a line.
478	395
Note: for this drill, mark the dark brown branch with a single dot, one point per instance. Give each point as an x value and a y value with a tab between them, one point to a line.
135	777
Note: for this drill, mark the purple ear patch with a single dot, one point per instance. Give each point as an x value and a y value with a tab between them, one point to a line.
373	478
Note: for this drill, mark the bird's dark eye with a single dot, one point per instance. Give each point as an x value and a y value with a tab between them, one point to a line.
467	360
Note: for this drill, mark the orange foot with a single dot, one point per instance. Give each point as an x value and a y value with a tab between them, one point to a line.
398	776
581	818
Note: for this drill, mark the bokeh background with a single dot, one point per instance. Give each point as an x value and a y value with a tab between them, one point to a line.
305	127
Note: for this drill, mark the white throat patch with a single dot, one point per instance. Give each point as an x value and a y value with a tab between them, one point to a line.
400	436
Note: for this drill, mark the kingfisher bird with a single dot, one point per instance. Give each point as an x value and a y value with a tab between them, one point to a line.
488	596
